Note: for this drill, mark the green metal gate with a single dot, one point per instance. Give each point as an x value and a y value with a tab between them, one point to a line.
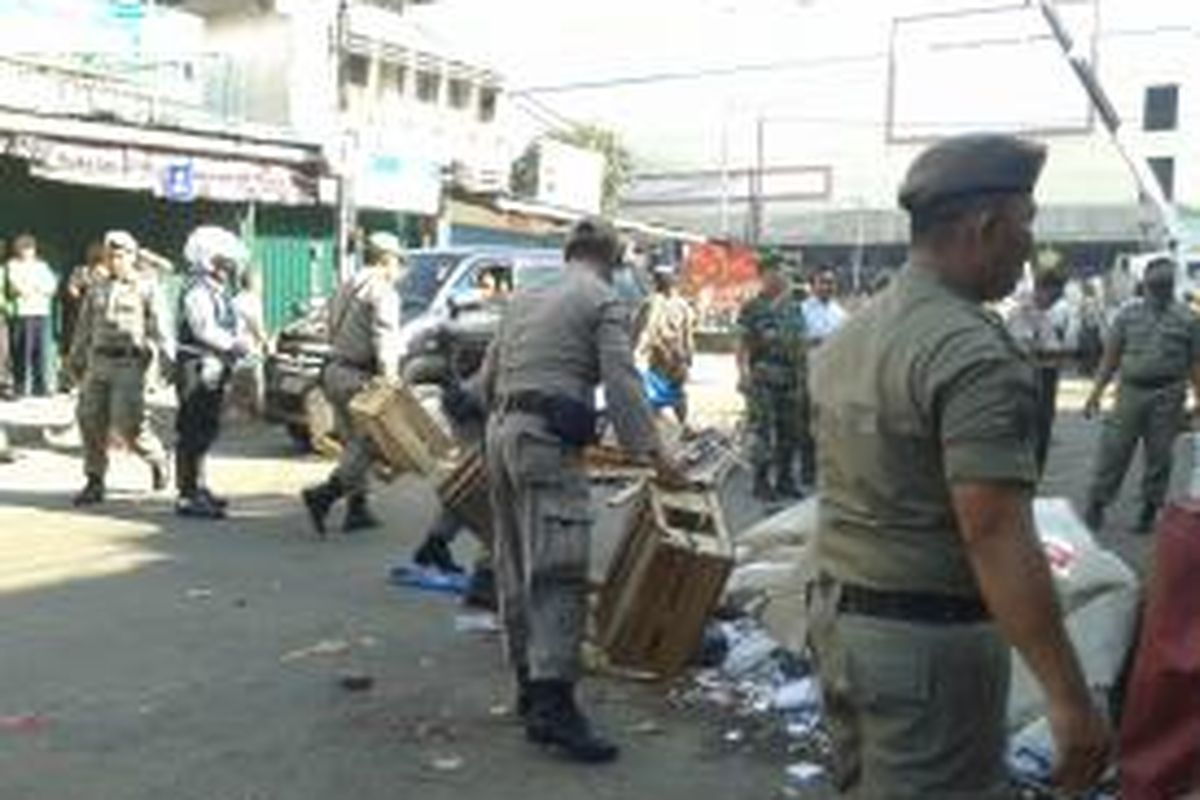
293	249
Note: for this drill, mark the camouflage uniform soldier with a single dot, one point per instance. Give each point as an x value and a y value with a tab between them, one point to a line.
539	378
121	319
1155	344
364	327
772	365
926	553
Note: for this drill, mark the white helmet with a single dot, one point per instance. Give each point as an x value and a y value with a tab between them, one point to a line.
208	243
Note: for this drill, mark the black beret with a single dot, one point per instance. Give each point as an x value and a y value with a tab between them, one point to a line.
972	164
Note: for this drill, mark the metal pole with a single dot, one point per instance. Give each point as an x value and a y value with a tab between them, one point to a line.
757	194
725	171
345	214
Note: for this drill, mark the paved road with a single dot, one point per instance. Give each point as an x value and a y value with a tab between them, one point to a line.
166	658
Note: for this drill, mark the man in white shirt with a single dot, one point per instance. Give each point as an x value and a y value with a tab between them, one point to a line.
32	285
823	315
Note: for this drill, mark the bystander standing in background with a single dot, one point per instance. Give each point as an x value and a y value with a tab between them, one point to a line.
32	285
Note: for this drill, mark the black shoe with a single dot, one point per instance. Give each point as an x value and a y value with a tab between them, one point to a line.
319	499
159	475
435	552
92	493
358	515
198	506
481	590
554	719
216	500
1147	519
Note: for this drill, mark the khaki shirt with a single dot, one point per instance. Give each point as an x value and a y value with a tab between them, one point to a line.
1156	345
920	390
364	323
565	340
121	315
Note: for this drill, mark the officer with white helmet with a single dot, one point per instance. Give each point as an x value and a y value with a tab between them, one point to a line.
209	343
364	327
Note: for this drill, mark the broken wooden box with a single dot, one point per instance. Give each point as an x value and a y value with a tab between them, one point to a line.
664	582
405	436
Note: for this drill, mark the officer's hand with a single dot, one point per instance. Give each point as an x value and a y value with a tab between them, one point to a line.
669	473
1092	407
1082	741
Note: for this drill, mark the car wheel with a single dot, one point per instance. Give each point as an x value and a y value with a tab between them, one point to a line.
319	421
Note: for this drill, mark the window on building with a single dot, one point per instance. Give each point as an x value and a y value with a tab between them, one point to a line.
487	104
1161	111
1164	170
393	79
355	68
459	91
429	86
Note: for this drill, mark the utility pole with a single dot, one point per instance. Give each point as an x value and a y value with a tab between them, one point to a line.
344	222
756	182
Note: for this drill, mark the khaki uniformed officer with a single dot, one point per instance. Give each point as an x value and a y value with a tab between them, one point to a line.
121	319
929	564
1155	344
539	377
364	327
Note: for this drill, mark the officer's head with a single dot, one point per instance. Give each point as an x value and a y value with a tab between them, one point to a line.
25	246
595	242
771	276
216	252
971	210
1159	281
121	251
384	251
665	278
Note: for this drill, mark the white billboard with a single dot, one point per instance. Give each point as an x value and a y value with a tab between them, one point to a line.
570	177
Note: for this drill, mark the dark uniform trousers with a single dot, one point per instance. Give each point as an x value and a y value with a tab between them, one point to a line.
539	489
887	686
1154	416
198	421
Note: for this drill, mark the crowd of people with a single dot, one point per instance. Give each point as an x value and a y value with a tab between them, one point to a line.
921	418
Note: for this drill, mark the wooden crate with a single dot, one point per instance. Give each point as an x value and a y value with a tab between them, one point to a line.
404	434
662	585
464	490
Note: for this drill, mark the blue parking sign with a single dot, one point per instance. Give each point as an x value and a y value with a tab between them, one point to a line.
178	183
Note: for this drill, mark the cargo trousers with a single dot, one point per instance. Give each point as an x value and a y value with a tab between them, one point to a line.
539	496
341	382
915	711
773	418
112	397
1154	417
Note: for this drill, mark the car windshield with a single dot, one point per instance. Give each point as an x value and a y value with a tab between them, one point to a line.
426	274
538	275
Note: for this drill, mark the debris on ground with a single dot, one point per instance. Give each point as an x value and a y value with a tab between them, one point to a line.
429	579
804	774
199	593
449	763
483	622
325	647
356	681
24	723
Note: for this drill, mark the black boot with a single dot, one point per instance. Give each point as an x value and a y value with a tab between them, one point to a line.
555	719
198	506
319	499
524	694
435	552
1147	518
762	486
481	590
92	492
358	514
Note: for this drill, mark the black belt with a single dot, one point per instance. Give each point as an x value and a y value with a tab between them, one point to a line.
927	607
525	403
1152	383
120	352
